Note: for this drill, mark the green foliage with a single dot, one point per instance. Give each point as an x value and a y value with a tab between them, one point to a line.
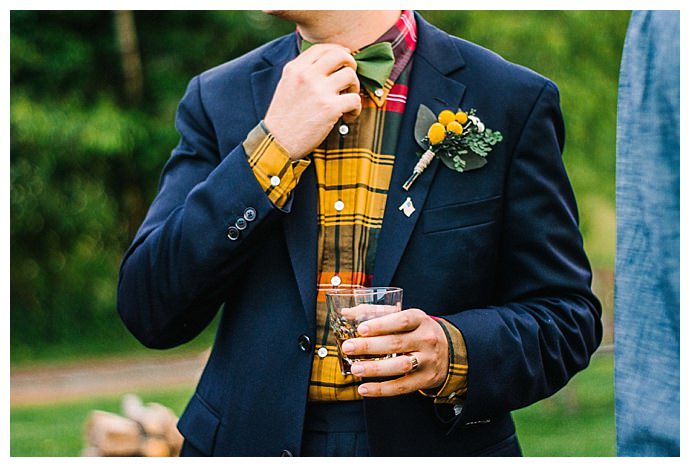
86	158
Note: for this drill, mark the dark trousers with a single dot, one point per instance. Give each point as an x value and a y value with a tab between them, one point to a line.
335	429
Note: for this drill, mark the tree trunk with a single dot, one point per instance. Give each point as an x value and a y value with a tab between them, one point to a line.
126	33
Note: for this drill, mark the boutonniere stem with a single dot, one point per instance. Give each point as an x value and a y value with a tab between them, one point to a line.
420	167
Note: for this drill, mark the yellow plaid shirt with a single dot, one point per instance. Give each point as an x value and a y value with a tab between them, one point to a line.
353	168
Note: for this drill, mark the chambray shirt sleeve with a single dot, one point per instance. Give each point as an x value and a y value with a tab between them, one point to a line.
647	301
454	387
268	159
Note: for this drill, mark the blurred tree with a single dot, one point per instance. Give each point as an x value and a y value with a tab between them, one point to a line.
129	54
93	96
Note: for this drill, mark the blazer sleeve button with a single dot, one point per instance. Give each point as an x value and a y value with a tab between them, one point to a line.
249	214
233	233
285	453
241	223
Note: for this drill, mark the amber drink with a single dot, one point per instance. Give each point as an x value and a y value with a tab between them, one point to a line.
348	308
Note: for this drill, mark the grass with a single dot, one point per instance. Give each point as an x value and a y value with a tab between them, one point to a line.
57	430
577	421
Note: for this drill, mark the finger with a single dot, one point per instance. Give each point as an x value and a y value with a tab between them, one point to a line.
344	79
348	103
332	60
403	321
350	117
395	366
395	387
380	345
365	311
316	51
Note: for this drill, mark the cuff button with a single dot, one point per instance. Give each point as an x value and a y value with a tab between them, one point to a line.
249	214
241	223
233	233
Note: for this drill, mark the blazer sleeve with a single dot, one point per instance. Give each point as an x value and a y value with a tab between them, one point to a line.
547	322
183	262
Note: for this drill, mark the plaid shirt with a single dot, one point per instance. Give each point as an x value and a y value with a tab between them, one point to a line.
353	170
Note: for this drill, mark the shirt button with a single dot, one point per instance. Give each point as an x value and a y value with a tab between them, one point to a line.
336	281
323	351
304	343
343	129
275	180
241	223
233	233
378	92
249	214
339	205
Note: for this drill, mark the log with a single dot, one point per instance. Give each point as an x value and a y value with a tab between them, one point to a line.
112	434
155	419
155	447
145	430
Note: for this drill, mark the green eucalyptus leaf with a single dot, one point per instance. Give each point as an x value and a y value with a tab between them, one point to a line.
425	118
473	161
469	161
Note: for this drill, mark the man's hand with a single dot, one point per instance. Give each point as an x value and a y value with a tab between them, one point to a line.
407	333
316	89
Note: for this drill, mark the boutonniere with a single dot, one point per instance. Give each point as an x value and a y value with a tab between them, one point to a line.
459	139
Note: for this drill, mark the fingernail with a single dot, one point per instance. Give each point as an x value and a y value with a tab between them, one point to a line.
363	390
363	329
348	347
357	369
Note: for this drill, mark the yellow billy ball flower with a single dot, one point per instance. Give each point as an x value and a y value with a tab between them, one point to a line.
445	117
461	117
455	127
437	133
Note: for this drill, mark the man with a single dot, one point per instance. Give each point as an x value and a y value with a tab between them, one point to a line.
648	247
288	180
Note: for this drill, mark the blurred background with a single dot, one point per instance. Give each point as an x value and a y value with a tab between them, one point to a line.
93	97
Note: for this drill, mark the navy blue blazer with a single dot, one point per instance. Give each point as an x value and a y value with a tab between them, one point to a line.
496	251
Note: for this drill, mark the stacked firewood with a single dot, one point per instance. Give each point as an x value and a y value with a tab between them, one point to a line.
145	430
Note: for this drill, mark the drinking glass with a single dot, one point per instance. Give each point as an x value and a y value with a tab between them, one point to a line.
348	308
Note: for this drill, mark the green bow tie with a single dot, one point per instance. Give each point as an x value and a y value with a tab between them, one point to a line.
374	63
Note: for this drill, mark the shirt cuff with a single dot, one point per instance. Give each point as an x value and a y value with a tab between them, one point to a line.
455	385
275	171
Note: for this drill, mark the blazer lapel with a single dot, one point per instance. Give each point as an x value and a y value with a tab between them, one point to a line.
436	56
301	233
300	224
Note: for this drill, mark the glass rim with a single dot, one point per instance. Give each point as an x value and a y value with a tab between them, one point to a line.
359	291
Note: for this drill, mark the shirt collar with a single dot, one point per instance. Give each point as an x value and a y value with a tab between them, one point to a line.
403	38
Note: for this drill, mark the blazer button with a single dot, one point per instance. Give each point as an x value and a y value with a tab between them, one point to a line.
285	453
249	214
241	223
304	343
233	233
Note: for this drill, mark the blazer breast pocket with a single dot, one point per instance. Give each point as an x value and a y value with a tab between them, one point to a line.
460	215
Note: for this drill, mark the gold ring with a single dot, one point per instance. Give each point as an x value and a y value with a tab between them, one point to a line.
415	363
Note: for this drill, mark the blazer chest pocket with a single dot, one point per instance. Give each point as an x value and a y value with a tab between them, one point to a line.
456	216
